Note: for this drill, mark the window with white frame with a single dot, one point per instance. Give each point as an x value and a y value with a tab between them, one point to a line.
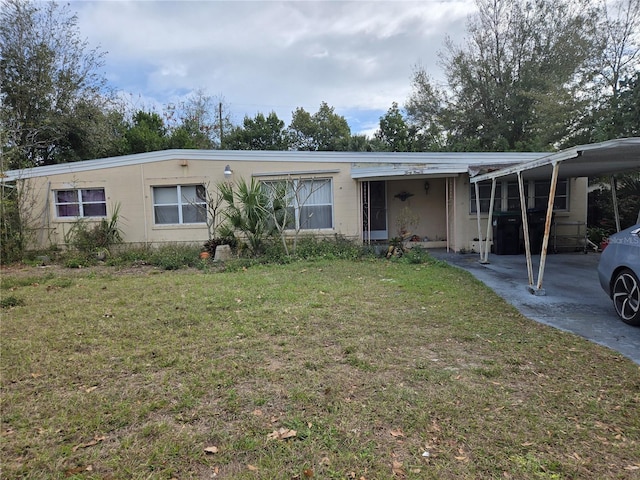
309	202
179	204
541	195
507	198
81	202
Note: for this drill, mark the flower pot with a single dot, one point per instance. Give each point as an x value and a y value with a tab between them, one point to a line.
204	255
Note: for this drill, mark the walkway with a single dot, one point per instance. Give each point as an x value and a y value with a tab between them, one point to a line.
574	301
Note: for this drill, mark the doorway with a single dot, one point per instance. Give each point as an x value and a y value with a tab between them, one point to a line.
374	215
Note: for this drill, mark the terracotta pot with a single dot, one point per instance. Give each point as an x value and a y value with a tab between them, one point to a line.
204	255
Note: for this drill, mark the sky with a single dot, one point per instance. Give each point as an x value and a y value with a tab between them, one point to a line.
258	57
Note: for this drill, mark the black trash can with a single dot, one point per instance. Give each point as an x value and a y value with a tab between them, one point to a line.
537	217
506	233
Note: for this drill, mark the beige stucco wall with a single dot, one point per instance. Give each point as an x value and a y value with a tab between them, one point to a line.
131	187
464	225
444	213
429	206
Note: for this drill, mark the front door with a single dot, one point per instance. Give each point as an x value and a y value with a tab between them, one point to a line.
374	201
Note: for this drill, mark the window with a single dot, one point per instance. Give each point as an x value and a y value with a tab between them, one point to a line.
81	202
485	197
309	202
536	194
541	195
179	204
513	196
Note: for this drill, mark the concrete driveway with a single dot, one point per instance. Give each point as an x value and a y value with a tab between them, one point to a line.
574	301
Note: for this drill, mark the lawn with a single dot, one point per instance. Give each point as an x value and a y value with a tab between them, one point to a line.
329	369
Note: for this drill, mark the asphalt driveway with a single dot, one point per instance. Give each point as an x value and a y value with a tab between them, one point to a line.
574	301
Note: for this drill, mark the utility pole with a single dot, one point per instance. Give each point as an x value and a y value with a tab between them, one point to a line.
220	120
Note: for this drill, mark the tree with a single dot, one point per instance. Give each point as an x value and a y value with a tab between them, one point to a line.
394	134
518	83
147	133
425	108
196	122
50	80
614	110
258	133
323	131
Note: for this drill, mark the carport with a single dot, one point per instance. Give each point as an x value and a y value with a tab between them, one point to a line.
599	159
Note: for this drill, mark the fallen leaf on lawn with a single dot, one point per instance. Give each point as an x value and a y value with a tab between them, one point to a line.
282	434
252	468
90	443
632	467
396	468
396	433
257	412
238	300
36	375
211	449
308	472
91	389
108	314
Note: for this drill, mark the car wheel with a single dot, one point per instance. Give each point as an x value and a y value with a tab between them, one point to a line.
626	297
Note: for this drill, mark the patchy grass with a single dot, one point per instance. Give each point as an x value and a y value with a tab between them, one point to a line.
327	369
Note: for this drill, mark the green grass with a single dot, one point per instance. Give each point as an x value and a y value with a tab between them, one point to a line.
121	374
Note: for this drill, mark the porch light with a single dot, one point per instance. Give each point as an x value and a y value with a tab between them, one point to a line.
228	172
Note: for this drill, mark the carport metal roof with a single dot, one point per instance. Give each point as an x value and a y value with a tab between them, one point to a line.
598	159
606	158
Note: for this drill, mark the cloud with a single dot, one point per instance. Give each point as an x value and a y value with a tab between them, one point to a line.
264	56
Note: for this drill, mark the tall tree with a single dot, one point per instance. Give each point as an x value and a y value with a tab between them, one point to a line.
197	122
147	133
612	111
517	83
394	134
325	130
50	80
258	133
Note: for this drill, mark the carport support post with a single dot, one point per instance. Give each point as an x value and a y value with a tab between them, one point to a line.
477	189
489	219
525	228
614	198
547	227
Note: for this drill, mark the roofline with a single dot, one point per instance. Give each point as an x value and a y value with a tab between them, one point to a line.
374	159
554	158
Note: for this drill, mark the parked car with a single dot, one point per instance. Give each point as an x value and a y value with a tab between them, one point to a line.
619	270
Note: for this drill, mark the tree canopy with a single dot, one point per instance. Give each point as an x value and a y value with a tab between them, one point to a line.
53	107
325	130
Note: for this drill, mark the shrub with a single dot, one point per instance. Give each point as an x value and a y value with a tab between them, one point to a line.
11	301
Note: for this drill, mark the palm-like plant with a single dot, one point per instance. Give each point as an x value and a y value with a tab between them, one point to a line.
248	213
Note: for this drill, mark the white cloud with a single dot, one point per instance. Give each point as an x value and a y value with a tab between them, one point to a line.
263	56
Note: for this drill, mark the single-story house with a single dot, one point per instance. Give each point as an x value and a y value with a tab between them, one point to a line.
365	196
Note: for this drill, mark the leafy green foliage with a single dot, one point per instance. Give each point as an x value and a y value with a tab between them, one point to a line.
323	131
50	83
91	238
258	133
11	301
247	214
